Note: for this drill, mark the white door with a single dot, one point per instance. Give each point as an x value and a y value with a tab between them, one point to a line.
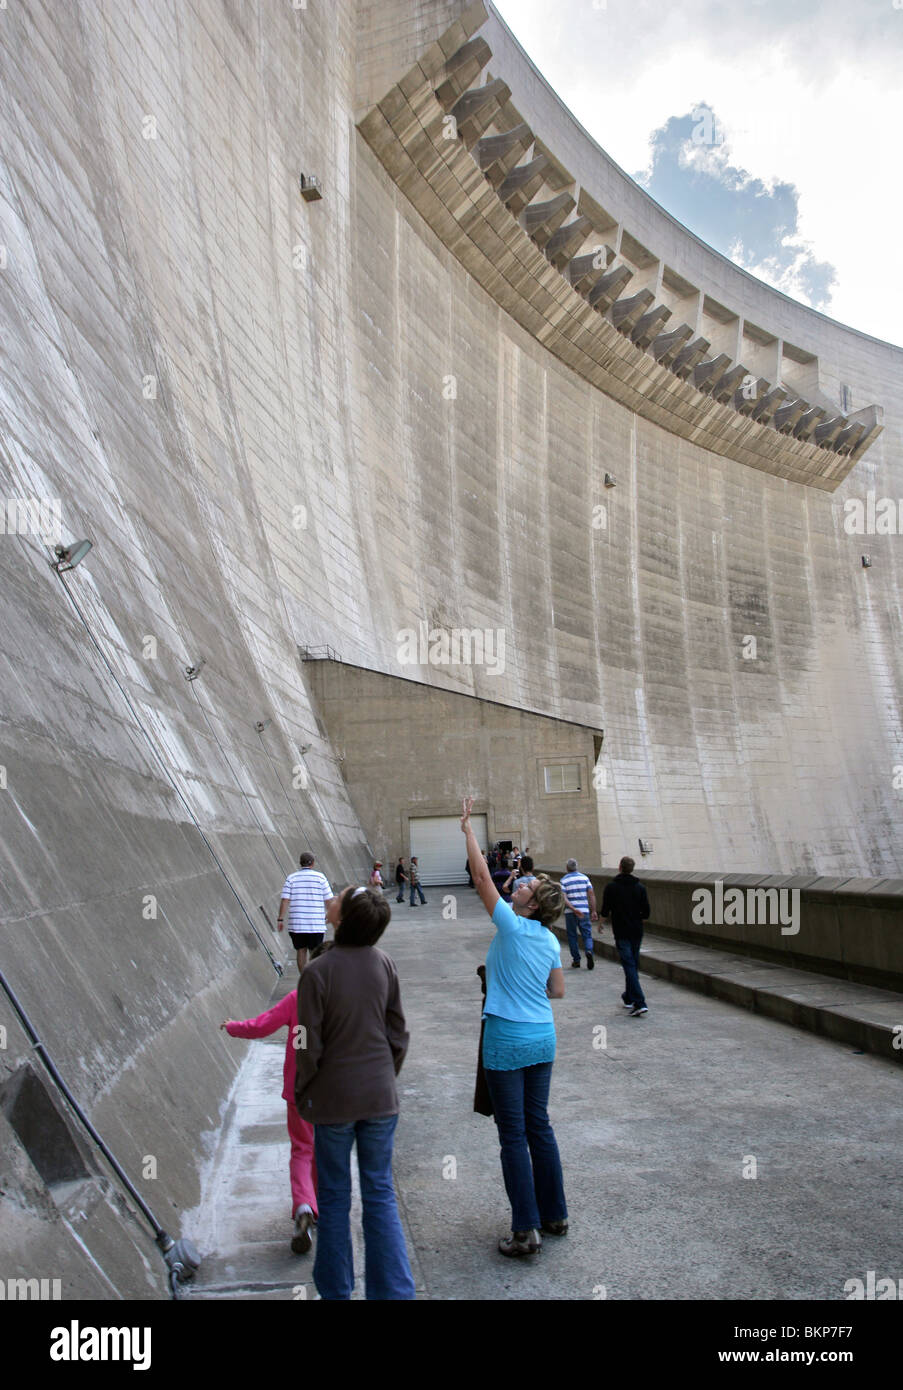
439	847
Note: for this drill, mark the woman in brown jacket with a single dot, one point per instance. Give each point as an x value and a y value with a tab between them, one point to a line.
352	1042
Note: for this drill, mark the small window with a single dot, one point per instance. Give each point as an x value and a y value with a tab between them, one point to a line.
846	400
563	777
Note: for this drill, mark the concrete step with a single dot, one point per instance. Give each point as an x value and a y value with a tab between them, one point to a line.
862	1016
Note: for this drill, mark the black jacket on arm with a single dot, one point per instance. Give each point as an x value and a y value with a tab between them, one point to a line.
626	902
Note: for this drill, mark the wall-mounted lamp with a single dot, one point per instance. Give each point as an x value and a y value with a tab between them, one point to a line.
305	748
645	846
866	562
192	672
609	480
262	724
310	188
68	556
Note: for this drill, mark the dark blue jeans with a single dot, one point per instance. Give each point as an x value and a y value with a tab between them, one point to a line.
415	888
572	922
387	1271
629	951
530	1163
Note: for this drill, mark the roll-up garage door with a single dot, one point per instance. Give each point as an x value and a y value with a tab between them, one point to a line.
440	849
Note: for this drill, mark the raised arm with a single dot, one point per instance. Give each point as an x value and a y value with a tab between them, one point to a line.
280	1016
479	869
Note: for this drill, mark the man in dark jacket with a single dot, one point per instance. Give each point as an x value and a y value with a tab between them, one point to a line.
626	904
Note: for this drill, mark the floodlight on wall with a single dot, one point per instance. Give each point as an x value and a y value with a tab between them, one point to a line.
310	188
68	556
262	724
645	846
866	562
305	748
192	672
609	480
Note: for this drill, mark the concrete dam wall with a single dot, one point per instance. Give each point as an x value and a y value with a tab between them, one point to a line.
295	423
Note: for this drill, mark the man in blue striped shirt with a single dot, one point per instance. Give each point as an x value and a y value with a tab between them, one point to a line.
580	913
305	895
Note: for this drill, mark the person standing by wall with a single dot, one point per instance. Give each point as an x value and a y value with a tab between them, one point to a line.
376	878
523	971
304	897
414	876
626	903
355	1036
580	913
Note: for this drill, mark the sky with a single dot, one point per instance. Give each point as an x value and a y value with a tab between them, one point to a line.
771	128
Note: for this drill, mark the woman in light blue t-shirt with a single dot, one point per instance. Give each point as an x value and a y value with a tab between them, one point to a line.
523	971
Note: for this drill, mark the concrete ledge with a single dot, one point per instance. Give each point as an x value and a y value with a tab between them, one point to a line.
849	928
861	1016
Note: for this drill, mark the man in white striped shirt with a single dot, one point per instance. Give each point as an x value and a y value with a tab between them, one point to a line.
580	913
305	894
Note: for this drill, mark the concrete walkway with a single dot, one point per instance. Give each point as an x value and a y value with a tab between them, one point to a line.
657	1118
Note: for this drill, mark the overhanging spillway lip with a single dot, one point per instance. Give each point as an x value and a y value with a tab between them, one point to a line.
614	335
336	660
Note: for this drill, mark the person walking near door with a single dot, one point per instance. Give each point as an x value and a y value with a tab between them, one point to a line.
414	876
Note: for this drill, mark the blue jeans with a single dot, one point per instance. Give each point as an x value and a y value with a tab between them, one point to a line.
531	1166
387	1271
415	888
629	951
572	922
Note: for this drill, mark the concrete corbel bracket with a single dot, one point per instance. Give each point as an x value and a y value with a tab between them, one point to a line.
667	345
728	384
625	313
786	416
497	155
687	359
745	400
585	271
607	288
522	184
807	422
648	325
540	220
562	245
475	111
706	374
766	408
462	70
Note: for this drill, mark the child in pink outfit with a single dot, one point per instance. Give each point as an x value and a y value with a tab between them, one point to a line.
302	1167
